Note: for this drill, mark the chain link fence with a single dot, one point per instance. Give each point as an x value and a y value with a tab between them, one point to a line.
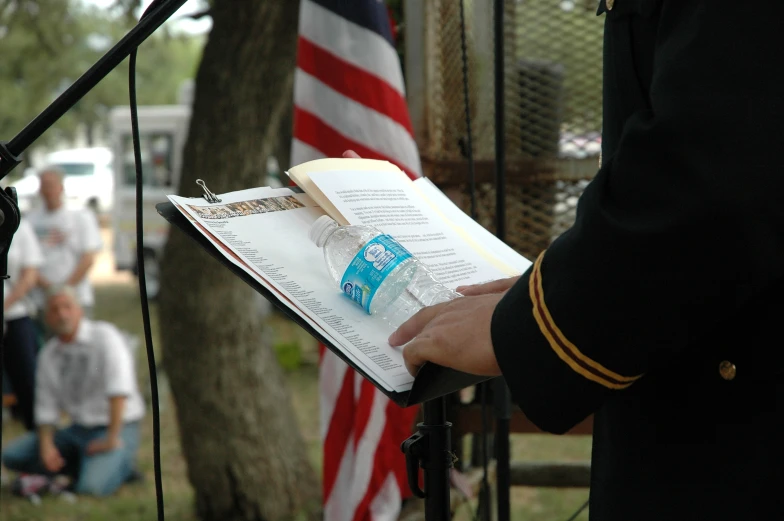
552	101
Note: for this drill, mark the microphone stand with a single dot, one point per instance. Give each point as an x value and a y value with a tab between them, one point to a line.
11	151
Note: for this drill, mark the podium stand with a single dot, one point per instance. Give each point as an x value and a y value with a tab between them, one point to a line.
430	447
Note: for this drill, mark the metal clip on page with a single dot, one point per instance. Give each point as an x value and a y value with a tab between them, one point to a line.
208	195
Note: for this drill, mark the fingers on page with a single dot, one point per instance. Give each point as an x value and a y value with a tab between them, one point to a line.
414	355
413	326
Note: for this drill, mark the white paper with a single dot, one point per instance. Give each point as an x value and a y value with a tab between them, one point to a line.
472	228
391	203
265	232
276	247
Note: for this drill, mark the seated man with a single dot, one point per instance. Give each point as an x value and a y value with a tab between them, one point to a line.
87	372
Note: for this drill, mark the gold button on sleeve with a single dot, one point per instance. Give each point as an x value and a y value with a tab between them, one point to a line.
727	370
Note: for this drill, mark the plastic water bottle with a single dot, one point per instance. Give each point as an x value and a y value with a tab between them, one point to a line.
376	272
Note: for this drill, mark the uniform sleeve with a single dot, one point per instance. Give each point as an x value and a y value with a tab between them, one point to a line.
679	230
120	377
89	232
46	407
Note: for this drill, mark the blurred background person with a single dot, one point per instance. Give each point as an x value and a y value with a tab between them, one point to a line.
85	371
70	241
19	333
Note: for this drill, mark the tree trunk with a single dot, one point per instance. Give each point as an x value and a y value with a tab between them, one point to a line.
247	459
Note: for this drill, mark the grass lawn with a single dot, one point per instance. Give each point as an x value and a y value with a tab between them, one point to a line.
120	304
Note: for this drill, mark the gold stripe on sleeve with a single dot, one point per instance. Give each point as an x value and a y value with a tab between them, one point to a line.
566	350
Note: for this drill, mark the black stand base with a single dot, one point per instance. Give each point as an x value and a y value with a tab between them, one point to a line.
431	449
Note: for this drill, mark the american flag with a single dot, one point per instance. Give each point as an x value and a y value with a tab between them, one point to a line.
349	94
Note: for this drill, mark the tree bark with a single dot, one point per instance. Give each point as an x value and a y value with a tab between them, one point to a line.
247	459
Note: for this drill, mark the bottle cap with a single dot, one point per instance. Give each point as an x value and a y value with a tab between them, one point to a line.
320	229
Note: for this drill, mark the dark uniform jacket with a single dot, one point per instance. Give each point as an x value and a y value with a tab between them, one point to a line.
662	309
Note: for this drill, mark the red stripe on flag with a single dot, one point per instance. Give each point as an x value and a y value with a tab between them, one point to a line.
339	433
364	405
388	456
354	83
314	132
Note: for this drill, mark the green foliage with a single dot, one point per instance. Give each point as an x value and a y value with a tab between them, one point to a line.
48	44
289	355
396	8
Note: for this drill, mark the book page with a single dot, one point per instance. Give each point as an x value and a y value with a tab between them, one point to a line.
244	265
266	231
301	173
392	204
470	227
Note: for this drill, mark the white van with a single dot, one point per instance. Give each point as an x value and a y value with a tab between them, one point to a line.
163	130
88	183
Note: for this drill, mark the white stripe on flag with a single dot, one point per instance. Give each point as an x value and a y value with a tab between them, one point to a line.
345	497
337	507
355	121
385	505
302	152
351	42
367	447
332	371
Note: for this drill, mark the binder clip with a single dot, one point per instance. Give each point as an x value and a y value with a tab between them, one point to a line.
208	195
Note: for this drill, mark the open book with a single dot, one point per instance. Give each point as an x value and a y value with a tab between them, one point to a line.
261	234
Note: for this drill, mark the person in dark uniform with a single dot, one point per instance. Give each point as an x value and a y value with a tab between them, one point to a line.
660	310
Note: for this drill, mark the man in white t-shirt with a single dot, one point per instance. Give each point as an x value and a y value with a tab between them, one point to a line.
70	240
86	372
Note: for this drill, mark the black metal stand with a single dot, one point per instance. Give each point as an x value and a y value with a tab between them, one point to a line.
431	449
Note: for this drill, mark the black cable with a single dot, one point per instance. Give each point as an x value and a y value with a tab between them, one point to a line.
501	391
579	511
137	156
469	140
500	148
469	152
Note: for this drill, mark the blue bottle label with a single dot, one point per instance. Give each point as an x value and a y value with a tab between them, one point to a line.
370	267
